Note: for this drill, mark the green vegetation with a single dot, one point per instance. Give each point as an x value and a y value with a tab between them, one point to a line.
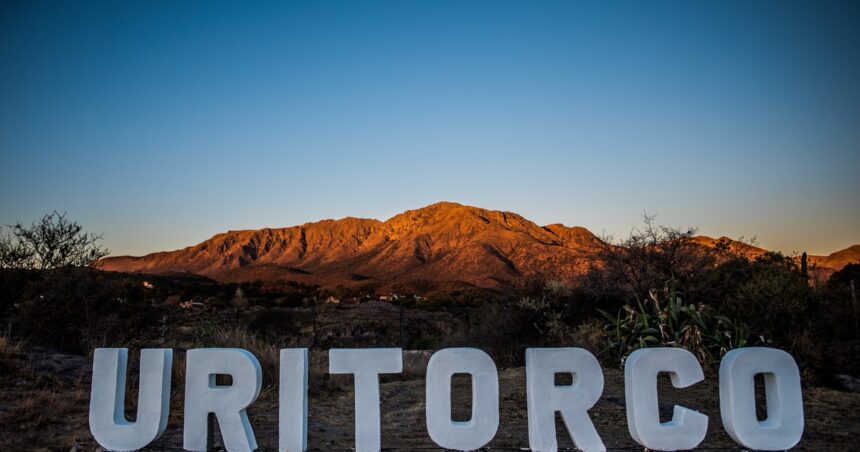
660	288
671	323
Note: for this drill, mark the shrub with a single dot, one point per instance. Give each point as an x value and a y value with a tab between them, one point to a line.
49	243
771	293
78	309
648	259
548	312
590	336
276	325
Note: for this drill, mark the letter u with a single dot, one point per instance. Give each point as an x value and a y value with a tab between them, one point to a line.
108	424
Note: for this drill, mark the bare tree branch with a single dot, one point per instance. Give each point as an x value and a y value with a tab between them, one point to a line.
50	242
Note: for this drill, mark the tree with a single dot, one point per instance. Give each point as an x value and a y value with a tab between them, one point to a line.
49	243
12	253
648	259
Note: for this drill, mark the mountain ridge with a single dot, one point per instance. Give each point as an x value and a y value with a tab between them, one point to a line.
444	242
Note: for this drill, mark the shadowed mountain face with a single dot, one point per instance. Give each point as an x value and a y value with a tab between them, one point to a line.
443	242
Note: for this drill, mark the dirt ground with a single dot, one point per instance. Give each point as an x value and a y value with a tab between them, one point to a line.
40	412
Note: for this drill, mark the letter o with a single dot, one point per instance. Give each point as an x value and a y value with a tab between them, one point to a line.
783	427
481	428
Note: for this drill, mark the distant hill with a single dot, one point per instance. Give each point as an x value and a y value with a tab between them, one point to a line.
835	261
441	243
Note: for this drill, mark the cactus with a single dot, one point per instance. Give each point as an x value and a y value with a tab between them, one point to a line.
804	269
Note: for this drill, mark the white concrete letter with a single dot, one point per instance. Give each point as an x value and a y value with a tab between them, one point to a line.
687	428
481	428
107	399
784	424
293	401
366	365
228	403
573	402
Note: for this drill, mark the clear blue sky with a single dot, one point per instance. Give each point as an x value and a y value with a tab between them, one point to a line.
163	123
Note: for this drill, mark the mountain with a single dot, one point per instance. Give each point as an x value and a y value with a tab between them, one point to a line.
735	246
444	243
833	262
821	266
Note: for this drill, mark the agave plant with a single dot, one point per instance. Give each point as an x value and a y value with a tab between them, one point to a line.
671	323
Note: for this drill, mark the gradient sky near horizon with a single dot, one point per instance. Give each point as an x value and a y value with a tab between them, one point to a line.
163	123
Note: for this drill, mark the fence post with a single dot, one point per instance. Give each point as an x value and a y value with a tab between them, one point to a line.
401	324
854	307
314	320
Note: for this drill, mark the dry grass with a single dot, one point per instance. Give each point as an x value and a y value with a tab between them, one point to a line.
590	336
10	349
43	416
44	406
55	418
9	346
234	337
267	354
